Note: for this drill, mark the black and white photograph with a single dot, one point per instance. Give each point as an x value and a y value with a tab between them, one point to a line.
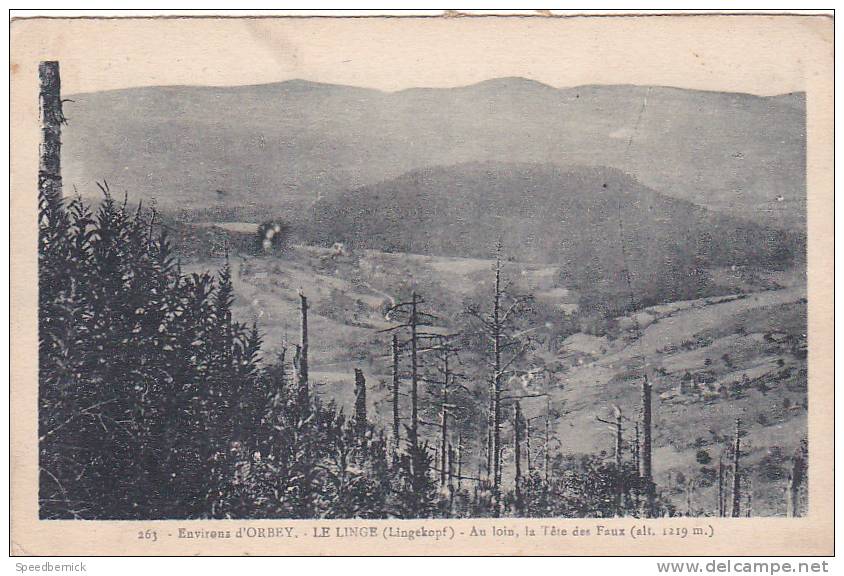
504	292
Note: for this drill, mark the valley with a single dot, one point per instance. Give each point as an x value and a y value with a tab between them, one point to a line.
711	360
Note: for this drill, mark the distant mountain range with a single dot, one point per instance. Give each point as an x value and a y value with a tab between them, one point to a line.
596	223
191	146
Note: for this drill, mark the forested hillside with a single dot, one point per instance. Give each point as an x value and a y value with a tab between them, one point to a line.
596	223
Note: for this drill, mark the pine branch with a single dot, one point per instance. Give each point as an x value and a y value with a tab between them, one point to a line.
69	420
520	396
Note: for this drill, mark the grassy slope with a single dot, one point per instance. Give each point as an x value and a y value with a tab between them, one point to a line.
348	294
686	423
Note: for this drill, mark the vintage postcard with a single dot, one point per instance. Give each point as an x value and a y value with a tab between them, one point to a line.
456	285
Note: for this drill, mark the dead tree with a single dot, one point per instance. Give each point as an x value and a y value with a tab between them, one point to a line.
737	471
748	497
721	491
360	403
497	327
280	368
618	432
619	478
547	453
444	379
636	448
527	446
396	414
648	505
547	447
691	484
414	372
450	466
302	355
497	376
52	118
413	319
646	471
517	454
489	426
444	409
459	460
443	434
796	478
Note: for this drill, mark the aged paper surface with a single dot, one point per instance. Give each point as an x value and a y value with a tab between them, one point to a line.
719	126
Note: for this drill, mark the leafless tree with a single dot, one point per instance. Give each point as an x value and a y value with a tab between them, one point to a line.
737	471
617	428
52	118
360	403
394	349
645	454
721	491
518	425
411	318
301	357
796	478
508	347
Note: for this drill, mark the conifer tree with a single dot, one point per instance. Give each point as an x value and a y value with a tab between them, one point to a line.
361	423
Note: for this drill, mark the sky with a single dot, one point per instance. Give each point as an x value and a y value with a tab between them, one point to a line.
760	55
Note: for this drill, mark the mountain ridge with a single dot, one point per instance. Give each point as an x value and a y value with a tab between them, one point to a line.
302	140
488	82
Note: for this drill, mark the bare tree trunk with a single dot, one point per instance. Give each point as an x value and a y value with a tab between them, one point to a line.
748	499
52	118
636	449
721	485
450	466
496	428
646	471
489	426
450	480
282	368
396	427
517	454
619	482
414	375
796	477
444	422
304	392
460	461
360	403
527	445
547	455
736	471
690	488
